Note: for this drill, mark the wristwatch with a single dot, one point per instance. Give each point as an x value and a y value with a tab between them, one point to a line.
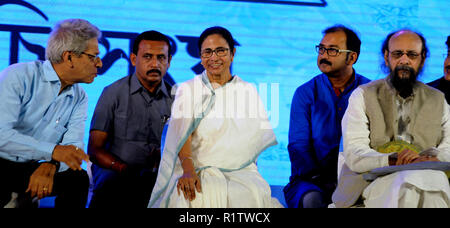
54	162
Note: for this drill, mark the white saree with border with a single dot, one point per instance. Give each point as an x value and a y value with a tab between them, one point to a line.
229	128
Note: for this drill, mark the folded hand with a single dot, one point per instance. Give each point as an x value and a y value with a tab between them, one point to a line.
41	181
188	183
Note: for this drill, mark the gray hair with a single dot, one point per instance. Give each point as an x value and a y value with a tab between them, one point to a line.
69	35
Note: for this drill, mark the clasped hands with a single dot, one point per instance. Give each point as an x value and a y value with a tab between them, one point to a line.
408	156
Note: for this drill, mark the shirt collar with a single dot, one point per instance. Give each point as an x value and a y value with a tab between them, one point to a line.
50	75
163	88
352	82
49	72
136	86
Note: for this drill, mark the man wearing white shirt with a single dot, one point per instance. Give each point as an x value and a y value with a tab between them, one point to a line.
396	110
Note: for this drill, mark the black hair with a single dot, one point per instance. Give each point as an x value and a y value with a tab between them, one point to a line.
353	42
150	35
220	31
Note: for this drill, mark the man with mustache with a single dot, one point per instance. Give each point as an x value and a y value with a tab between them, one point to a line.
443	84
126	128
396	121
43	111
315	123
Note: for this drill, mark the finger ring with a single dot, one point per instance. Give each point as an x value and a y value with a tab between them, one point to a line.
76	148
45	189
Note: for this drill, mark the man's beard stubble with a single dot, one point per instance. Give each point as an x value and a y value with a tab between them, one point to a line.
404	85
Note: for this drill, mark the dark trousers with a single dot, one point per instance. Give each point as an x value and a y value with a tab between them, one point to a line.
321	198
70	187
131	189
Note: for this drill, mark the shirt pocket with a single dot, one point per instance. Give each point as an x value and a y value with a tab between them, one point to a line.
60	130
52	133
131	129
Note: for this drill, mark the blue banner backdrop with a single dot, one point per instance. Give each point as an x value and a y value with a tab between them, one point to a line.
276	42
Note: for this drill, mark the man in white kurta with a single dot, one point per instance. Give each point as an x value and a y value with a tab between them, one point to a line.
229	128
386	111
400	189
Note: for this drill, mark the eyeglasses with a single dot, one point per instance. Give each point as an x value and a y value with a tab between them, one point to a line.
93	58
219	52
411	54
330	51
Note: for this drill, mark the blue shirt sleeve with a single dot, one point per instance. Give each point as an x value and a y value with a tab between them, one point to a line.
300	141
13	144
102	119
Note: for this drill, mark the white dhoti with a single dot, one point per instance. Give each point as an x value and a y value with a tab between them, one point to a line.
409	189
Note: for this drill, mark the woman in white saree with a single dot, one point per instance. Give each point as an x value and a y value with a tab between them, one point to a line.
217	130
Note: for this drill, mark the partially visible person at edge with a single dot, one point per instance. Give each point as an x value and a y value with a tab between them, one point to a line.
315	122
217	130
42	119
126	128
396	121
443	83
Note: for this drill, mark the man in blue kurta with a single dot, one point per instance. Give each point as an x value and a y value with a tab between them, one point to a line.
315	123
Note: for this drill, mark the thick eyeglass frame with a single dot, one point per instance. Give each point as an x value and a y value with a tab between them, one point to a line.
220	51
335	52
410	54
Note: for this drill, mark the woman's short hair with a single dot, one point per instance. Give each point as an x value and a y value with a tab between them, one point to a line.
220	31
69	35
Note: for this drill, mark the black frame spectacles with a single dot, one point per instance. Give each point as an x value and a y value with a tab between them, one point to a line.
330	51
220	51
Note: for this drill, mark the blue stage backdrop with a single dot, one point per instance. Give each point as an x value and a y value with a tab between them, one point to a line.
276	42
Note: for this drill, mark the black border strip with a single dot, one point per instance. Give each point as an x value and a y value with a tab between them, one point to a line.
322	4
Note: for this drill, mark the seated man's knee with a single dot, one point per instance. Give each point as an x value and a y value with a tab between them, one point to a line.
313	199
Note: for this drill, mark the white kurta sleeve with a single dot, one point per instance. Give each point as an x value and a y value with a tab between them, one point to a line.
359	157
444	146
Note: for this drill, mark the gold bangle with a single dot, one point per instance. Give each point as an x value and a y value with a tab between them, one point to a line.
182	160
